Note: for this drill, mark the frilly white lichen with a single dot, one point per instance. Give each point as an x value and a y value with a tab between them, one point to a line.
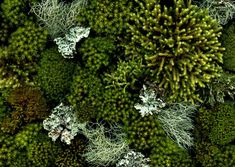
62	122
67	44
150	103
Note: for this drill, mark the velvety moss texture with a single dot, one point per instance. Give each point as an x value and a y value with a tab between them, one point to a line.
54	75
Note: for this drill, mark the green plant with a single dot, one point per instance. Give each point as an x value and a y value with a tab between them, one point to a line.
223	124
180	44
54	75
105	16
86	94
28	105
14	11
18	59
128	75
228	41
220	89
57	17
72	155
97	53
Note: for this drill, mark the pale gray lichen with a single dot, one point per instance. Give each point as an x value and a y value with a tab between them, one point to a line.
133	159
62	122
150	103
67	44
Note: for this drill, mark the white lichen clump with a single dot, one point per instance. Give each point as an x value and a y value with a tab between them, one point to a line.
67	44
62	122
133	159
151	104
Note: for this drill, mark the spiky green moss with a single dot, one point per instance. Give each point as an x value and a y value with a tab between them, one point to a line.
54	75
228	41
117	106
97	53
128	75
180	44
18	59
106	16
4	31
42	152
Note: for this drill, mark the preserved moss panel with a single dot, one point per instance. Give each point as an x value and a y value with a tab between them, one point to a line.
180	44
54	75
228	41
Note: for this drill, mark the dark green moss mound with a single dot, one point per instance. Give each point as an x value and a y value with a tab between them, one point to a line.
223	124
54	75
97	53
228	41
86	94
72	155
214	136
28	105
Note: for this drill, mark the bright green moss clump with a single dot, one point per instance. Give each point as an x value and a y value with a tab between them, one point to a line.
54	75
179	43
106	16
228	41
97	53
18	59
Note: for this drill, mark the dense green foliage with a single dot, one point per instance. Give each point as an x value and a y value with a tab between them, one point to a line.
215	135
54	75
18	59
228	41
106	16
97	53
28	105
172	46
180	44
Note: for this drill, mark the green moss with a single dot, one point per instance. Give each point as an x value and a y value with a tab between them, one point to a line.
28	105
86	94
71	155
128	75
42	152
228	41
214	136
18	59
14	11
105	16
223	126
54	75
180	44
97	53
